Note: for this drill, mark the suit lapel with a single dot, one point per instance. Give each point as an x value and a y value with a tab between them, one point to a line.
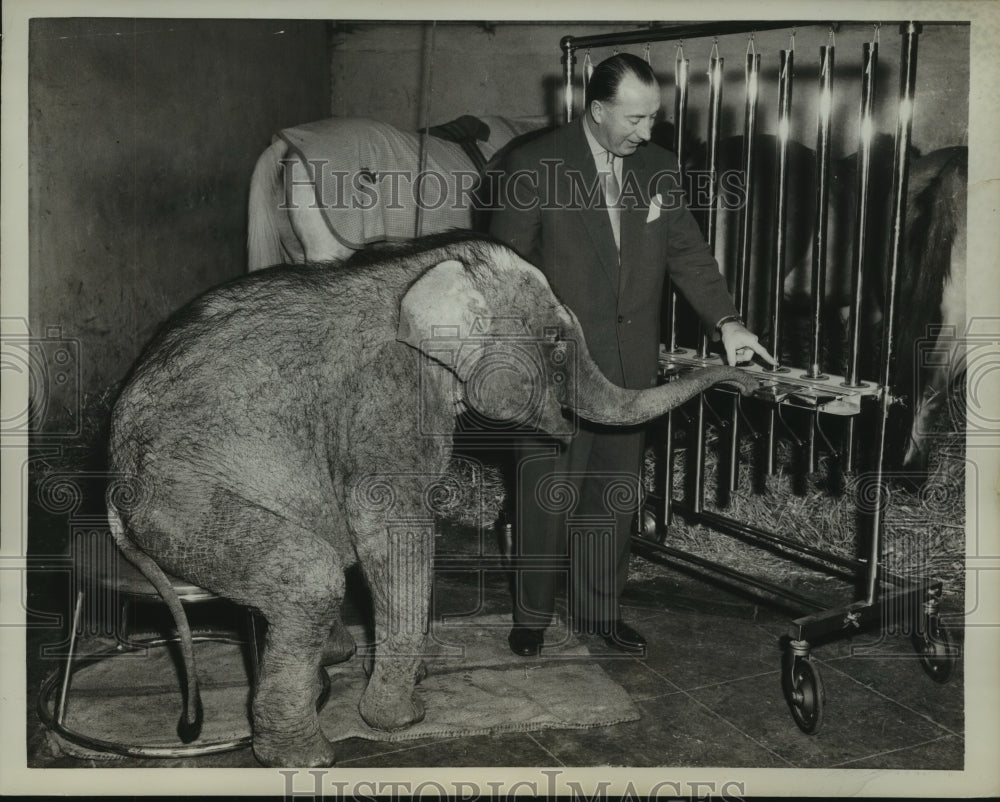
593	215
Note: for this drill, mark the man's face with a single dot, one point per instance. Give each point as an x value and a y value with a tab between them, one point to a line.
624	123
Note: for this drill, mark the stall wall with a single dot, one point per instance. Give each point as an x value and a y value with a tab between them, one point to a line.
143	135
504	68
514	70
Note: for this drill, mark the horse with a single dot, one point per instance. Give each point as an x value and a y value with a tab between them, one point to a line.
930	355
323	190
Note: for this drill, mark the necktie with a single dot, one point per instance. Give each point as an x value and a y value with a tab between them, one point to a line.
612	191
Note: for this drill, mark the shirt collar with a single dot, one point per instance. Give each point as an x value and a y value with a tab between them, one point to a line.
598	150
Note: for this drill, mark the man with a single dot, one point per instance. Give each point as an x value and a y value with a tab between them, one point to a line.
607	262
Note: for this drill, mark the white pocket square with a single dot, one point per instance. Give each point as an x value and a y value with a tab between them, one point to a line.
654	208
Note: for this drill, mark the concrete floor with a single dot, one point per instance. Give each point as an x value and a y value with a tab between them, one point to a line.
709	692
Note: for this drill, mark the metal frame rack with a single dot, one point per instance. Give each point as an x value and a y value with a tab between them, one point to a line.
885	597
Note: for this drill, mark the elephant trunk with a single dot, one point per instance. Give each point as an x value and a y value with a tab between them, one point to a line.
601	401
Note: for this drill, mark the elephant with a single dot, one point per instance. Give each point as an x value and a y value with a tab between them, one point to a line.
298	420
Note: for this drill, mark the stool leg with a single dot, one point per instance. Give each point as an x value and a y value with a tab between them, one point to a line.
68	667
254	645
121	631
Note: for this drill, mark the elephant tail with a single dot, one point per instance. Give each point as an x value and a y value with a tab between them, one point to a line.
189	726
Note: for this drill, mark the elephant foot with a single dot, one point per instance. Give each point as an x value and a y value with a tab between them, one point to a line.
339	647
315	752
390	711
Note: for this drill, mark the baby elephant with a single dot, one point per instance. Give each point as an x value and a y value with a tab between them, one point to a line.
295	421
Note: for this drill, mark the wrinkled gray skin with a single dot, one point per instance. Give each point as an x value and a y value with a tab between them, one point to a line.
277	428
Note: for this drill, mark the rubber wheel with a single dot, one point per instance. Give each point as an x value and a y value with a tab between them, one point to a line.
804	693
648	520
935	650
649	527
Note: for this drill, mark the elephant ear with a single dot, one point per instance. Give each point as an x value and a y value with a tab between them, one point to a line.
439	312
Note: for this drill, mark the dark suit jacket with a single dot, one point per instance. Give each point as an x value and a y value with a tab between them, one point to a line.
571	241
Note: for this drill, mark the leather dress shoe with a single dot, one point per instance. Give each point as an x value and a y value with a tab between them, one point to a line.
617	634
525	641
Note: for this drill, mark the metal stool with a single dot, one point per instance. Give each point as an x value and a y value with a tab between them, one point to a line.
99	566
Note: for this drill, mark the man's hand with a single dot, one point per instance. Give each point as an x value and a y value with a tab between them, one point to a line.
741	344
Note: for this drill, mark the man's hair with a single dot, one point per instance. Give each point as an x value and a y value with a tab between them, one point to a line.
609	74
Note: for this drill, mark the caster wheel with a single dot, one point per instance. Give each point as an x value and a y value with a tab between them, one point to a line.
935	650
648	526
804	693
647	521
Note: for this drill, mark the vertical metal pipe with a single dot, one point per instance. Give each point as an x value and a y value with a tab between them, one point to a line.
742	279
714	118
786	65
668	473
811	455
822	202
785	70
586	72
850	446
568	62
742	288
819	233
714	115
699	457
866	133
910	32
681	66
681	72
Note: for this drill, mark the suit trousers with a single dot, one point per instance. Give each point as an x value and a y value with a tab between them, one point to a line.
576	507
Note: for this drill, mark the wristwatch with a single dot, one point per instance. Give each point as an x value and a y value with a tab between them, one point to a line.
729	319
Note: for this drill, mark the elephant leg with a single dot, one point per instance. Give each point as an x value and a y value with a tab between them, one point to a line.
305	597
369	666
400	580
340	646
294	578
286	728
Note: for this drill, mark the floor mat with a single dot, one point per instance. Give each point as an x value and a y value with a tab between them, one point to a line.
474	686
